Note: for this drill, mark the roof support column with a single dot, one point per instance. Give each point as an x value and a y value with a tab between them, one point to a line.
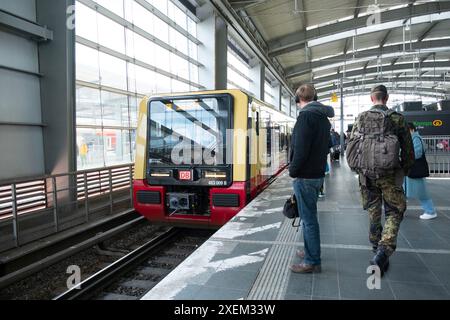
57	63
212	53
258	76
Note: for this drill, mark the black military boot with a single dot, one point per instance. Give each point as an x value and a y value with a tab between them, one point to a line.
381	260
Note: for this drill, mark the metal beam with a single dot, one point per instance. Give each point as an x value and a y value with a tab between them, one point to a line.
394	61
36	74
346	46
425	58
355	16
386	69
427	32
423	91
235	23
305	68
366	65
245	4
297	40
300	9
388	81
24	27
385	39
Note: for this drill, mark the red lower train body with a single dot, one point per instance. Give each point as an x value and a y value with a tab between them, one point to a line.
223	203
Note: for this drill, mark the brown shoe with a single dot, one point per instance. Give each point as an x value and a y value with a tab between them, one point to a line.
301	254
306	268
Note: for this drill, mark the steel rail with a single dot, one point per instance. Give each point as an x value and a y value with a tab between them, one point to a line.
108	275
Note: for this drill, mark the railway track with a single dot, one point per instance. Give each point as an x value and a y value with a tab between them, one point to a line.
132	276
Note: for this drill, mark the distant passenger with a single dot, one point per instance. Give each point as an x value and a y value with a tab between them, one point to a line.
84	149
308	161
416	187
380	149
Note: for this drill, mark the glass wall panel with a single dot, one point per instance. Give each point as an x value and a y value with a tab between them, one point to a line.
86	22
87	67
117	146
178	16
143	18
90	153
179	66
161	5
178	41
109	88
115	109
162	84
115	6
235	79
163	30
178	86
192	27
111	34
145	80
113	71
89	109
144	50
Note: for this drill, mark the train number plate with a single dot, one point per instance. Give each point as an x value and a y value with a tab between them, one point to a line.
185	175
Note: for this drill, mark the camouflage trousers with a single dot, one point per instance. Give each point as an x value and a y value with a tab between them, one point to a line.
374	192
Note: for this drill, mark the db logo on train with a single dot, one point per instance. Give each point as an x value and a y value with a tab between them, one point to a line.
438	123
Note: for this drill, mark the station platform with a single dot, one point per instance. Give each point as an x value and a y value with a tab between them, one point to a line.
249	258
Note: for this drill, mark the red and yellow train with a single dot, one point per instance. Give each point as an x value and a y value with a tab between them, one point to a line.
202	157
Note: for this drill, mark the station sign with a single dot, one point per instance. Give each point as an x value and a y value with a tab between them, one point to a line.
430	123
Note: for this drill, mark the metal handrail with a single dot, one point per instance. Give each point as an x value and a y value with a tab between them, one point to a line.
21	197
437	149
41	177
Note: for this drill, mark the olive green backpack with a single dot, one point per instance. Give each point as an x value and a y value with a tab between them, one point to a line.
374	148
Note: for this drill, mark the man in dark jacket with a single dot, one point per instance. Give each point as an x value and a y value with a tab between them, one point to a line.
310	141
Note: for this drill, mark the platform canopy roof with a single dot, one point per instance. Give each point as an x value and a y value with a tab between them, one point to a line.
402	44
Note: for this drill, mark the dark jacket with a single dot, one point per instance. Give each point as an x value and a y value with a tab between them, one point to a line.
310	141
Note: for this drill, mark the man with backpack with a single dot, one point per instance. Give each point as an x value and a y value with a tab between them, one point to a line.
380	149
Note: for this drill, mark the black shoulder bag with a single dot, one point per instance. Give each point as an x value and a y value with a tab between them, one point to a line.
420	168
290	210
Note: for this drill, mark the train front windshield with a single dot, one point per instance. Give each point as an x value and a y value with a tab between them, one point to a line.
188	131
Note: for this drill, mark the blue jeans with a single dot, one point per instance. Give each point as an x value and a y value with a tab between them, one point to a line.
307	194
428	206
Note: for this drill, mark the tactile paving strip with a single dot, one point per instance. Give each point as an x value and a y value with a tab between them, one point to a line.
271	283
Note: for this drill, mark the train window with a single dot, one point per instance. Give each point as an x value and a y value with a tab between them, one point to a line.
188	132
269	138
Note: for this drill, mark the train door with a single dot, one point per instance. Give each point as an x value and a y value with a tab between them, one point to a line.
254	130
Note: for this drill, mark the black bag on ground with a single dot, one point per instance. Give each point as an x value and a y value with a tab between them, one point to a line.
420	168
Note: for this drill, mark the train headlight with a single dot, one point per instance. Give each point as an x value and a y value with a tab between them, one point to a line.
161	174
216	175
